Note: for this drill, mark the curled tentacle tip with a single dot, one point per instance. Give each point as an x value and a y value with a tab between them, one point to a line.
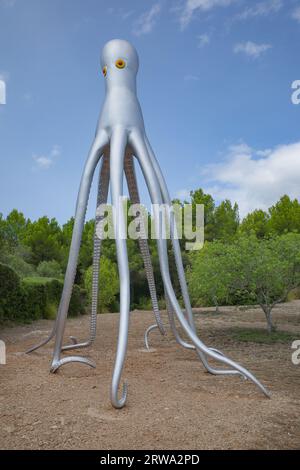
73	339
28	351
120	403
54	367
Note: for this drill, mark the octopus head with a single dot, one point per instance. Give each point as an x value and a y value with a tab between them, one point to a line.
120	62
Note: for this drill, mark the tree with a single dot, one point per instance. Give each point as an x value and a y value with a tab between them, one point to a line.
208	276
260	271
267	270
226	221
108	284
43	237
258	222
285	216
199	197
12	229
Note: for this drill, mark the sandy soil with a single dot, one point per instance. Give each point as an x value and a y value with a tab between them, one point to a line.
172	402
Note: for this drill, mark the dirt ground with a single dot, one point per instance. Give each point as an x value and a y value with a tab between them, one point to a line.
172	403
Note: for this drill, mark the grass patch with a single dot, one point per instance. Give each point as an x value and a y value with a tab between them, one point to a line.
261	336
37	280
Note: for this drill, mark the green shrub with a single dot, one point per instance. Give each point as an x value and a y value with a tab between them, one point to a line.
20	266
49	269
108	285
52	290
34	298
10	293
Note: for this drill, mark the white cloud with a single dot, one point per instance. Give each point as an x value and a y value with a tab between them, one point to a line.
44	162
190	7
255	179
263	8
203	40
146	22
296	14
251	49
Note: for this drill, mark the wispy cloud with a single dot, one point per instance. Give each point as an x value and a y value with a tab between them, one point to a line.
251	49
264	8
190	7
255	179
146	22
203	40
296	14
44	162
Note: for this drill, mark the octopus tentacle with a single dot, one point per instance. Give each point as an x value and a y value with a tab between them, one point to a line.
100	141
95	153
44	342
178	260
143	243
103	185
142	154
117	155
147	332
174	330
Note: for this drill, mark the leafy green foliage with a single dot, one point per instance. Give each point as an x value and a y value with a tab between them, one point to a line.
233	267
108	284
42	237
226	221
10	293
49	269
208	276
285	216
33	298
249	269
257	222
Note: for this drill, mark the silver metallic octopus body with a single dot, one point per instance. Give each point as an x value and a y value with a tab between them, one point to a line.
120	136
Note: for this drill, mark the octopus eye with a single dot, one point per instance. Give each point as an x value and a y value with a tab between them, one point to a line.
120	64
104	71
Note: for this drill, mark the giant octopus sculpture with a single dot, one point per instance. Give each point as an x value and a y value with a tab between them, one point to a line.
120	139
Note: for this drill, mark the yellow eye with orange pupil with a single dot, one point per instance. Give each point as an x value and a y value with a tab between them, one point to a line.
120	63
104	71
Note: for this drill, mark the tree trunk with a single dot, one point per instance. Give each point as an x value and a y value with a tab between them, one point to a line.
216	305
268	313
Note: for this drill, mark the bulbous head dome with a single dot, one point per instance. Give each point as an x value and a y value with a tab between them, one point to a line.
119	59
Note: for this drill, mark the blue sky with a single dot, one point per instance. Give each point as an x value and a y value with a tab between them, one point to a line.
214	84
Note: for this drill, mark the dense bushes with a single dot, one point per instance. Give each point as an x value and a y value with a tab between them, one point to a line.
49	269
34	298
108	285
10	293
